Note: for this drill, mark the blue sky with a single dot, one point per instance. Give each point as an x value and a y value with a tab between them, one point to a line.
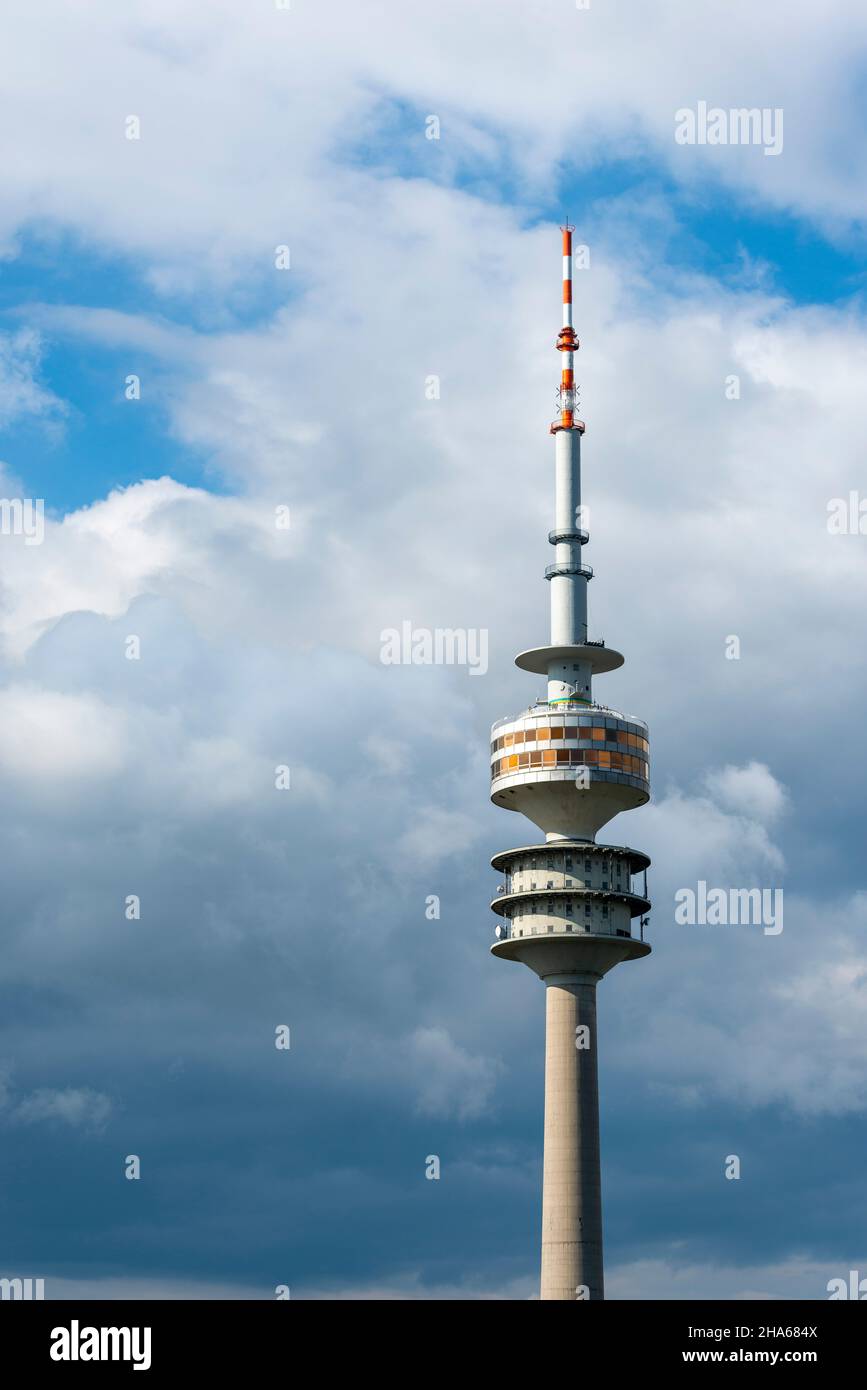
261	647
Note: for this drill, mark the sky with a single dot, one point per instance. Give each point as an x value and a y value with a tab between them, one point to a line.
721	314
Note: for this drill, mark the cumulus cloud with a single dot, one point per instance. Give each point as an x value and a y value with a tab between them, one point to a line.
752	790
78	1107
450	1081
700	835
134	542
787	1027
82	1109
436	833
348	86
54	736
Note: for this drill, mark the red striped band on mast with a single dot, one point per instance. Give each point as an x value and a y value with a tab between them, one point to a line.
567	342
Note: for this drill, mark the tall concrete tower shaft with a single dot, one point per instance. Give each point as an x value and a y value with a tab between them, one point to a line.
567	905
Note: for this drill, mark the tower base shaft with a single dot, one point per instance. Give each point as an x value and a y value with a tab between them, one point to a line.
572	1187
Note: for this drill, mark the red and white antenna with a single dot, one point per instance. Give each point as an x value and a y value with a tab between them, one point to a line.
567	343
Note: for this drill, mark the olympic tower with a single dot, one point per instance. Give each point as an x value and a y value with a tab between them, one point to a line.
569	764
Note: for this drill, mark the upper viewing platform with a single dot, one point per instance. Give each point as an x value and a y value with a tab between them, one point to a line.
570	709
570	766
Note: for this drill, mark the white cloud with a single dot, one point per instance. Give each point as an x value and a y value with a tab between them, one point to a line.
798	1277
752	1018
699	836
21	392
450	1081
752	790
155	536
437	832
49	736
78	1107
205	186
